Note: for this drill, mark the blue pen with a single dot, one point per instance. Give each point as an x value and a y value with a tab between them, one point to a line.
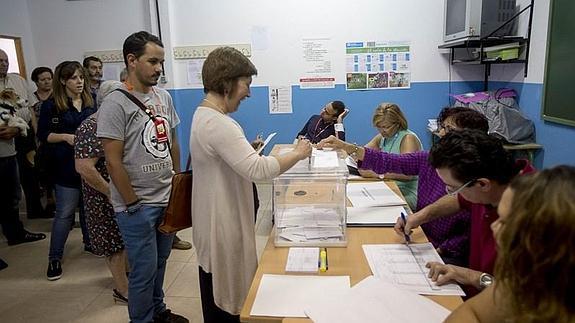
407	238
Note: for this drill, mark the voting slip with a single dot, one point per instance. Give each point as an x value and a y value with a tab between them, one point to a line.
404	266
302	260
266	142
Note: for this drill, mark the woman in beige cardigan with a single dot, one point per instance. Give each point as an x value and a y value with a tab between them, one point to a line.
225	165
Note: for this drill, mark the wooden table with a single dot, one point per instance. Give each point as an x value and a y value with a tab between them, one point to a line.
348	261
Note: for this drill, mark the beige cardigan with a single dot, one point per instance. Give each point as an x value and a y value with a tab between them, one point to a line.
225	165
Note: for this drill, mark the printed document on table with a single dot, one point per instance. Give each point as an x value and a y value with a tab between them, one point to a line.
374	300
288	296
369	194
374	216
268	139
302	260
404	266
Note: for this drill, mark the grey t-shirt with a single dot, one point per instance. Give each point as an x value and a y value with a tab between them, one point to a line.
147	162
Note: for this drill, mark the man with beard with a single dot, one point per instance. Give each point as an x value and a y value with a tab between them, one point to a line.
328	123
93	65
142	154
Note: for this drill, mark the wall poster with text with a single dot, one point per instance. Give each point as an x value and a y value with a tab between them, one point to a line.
377	65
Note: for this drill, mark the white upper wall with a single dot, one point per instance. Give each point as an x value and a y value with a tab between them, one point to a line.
65	30
15	22
57	30
288	22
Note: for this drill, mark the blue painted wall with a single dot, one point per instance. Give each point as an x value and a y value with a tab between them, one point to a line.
555	138
423	101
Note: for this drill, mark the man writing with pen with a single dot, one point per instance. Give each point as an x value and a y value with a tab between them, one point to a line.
328	123
476	169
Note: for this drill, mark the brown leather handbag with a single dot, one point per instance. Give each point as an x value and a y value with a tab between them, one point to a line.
178	214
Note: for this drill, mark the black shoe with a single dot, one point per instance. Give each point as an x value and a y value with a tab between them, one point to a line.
168	317
54	270
27	237
3	264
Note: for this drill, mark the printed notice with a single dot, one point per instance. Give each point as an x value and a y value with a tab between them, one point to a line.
280	99
317	58
195	73
377	65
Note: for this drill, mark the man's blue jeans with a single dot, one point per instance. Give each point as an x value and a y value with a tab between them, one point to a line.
67	200
148	250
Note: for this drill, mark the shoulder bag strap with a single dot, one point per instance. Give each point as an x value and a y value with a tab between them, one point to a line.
149	113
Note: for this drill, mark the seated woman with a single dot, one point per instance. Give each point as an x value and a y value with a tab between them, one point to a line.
535	234
394	137
449	235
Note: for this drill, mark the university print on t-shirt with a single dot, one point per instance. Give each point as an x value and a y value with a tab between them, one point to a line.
155	145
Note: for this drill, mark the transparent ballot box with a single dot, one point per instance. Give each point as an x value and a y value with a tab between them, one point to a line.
309	202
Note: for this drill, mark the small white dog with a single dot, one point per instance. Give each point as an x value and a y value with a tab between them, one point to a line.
9	103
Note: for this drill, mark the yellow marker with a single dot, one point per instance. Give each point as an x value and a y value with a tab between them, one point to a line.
323	260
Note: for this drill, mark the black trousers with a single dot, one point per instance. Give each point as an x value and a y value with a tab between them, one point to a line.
9	199
212	313
30	186
28	174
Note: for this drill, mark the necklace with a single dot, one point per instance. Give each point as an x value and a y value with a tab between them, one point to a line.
215	106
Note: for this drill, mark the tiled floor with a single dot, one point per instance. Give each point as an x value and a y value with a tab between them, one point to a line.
84	293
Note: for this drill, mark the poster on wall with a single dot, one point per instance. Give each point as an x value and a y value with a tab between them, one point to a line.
280	99
194	73
317	58
377	65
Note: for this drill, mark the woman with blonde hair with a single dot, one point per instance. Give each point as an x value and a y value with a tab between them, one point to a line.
535	234
60	116
395	137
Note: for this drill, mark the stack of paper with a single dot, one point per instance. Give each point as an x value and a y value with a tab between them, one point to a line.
374	204
369	194
373	300
302	260
373	216
288	296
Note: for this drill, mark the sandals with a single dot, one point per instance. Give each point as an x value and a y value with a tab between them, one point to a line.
119	298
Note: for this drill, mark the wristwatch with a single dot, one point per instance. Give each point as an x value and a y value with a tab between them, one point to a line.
485	280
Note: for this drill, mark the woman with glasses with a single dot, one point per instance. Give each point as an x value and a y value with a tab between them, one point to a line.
394	137
450	235
60	116
535	235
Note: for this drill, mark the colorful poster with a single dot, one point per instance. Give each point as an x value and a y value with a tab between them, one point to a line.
377	65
